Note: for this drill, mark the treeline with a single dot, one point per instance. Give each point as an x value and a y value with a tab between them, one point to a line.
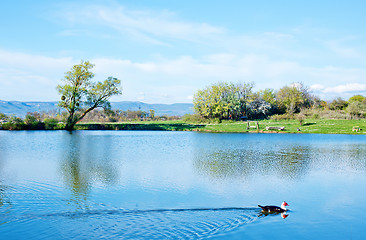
125	116
217	102
238	101
32	121
54	120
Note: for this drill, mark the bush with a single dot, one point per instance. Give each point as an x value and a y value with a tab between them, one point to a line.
14	123
50	123
60	126
32	122
354	109
338	104
193	118
278	117
300	117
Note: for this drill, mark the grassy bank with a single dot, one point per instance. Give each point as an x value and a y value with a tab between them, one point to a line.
293	126
158	126
290	126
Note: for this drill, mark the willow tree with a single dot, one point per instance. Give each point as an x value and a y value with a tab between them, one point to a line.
79	95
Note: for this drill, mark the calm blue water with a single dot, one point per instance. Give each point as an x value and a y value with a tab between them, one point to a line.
180	185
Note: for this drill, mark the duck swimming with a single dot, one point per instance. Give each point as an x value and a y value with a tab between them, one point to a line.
275	209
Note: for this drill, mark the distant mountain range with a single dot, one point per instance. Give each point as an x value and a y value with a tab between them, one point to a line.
20	109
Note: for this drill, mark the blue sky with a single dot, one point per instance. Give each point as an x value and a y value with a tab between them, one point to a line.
164	51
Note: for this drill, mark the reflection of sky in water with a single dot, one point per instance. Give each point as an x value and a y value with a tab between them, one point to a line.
179	161
57	172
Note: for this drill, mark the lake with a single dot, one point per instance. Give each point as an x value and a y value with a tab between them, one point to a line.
180	185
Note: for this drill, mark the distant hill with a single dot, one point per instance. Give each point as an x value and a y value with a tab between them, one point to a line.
21	108
176	109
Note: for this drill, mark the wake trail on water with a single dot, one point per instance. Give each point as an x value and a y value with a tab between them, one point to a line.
180	223
36	214
143	211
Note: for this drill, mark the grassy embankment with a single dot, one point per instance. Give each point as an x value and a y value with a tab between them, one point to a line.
153	125
309	126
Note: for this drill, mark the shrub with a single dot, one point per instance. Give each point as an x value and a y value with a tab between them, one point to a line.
50	123
14	123
60	126
316	116
354	109
278	117
300	117
195	118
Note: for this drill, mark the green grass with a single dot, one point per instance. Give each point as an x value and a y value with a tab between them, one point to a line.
327	126
158	126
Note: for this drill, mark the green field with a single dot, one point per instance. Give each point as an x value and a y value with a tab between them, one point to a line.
153	125
290	126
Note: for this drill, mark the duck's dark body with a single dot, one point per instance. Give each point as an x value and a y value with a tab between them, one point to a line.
272	209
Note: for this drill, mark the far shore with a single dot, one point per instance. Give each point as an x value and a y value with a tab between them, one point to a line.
324	126
319	126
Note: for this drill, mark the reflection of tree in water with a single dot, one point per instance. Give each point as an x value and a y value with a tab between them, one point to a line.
231	163
357	157
342	157
86	162
293	162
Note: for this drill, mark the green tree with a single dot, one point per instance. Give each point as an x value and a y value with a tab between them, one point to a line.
152	113
264	103
354	109
80	95
223	100
268	95
220	100
338	104
3	116
356	98
245	96
14	123
294	97
33	121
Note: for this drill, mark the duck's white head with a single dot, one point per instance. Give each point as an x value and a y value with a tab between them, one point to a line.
283	205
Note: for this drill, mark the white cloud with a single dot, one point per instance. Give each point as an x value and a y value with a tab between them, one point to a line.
290	47
30	77
316	87
183	76
141	96
34	77
149	25
33	63
340	47
340	90
346	88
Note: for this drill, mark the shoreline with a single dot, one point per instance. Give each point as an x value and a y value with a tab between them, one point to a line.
312	126
320	126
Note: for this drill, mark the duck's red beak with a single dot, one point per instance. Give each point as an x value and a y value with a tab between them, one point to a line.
285	203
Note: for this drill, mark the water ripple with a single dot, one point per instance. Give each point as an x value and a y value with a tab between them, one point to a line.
194	223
